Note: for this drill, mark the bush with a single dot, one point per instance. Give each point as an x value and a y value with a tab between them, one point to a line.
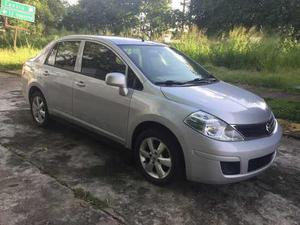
28	40
242	48
195	44
285	109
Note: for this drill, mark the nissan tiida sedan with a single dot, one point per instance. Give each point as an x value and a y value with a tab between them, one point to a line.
177	118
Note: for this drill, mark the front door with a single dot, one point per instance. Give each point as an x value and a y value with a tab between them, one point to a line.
95	103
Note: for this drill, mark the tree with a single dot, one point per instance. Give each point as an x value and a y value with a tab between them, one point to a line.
105	15
148	16
155	16
222	15
73	19
49	14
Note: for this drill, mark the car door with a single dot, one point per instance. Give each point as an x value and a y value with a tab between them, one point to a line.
58	73
94	102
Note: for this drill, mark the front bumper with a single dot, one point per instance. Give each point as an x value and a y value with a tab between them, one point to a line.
24	85
204	156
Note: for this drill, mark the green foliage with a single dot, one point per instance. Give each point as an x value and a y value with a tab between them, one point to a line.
195	44
222	15
237	50
10	59
107	15
242	48
285	109
286	80
26	40
155	17
150	17
49	15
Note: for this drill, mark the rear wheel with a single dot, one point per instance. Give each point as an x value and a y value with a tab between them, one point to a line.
39	109
158	156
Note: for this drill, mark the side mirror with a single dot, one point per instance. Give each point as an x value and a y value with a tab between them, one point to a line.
117	80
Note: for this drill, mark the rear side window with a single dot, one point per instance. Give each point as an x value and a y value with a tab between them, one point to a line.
65	54
98	61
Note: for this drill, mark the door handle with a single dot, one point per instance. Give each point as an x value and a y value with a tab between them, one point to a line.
46	73
80	83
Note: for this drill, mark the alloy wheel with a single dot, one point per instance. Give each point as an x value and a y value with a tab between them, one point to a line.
38	109
155	158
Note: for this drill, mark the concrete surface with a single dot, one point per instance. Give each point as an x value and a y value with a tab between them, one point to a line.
30	197
74	173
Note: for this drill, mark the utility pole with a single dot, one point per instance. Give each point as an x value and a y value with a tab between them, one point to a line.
6	25
184	4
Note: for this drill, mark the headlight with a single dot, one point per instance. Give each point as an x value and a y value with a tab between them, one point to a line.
212	127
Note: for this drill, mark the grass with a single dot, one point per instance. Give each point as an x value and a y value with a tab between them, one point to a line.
241	56
13	60
242	48
285	109
285	80
247	56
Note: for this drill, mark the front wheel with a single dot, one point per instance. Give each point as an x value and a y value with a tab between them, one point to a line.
158	156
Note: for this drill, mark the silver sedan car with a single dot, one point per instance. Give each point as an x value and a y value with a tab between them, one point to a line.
178	119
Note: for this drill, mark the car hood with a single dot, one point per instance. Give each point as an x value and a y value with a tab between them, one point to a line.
225	101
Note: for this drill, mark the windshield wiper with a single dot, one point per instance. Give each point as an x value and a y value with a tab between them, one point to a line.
169	83
199	80
195	81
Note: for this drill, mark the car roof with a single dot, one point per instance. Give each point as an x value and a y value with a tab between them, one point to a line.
114	39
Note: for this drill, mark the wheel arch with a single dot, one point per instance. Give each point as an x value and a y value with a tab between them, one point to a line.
33	89
156	125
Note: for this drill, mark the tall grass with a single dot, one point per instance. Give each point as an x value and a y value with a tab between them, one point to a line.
30	39
286	80
242	48
242	55
10	59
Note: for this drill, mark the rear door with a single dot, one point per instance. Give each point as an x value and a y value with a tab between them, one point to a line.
59	70
95	103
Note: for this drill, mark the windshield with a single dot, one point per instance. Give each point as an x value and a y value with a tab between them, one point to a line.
165	65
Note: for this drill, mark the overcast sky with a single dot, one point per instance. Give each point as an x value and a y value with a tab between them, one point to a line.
175	3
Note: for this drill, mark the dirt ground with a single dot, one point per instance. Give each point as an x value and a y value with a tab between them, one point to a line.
66	175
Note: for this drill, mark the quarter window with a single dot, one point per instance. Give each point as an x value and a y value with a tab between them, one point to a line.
66	55
51	58
133	82
98	61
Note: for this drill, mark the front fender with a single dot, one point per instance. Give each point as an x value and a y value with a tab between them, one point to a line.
146	107
34	84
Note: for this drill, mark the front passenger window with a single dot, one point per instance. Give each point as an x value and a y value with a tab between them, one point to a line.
98	61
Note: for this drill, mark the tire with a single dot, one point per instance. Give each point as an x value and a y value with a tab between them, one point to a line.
39	109
164	166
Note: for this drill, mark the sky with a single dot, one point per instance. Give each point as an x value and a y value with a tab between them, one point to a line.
175	3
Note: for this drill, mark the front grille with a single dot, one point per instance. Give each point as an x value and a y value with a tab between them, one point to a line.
258	163
251	131
230	168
